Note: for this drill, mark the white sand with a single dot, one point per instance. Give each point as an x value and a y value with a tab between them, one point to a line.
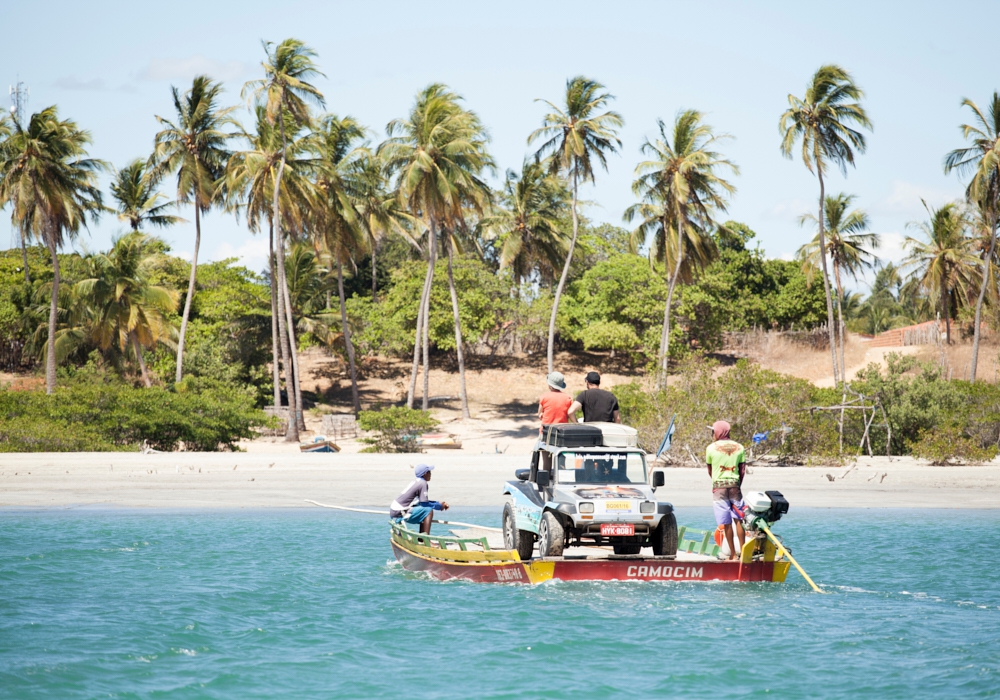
284	480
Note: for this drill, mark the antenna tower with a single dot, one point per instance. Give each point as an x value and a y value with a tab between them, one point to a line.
19	112
19	102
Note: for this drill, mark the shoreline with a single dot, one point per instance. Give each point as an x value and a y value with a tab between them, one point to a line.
218	481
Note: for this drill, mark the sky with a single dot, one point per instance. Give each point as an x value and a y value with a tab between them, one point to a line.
110	66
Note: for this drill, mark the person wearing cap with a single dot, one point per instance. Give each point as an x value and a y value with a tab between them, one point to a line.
727	464
412	506
599	406
553	405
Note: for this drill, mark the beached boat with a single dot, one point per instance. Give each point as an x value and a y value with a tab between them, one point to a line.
479	555
319	444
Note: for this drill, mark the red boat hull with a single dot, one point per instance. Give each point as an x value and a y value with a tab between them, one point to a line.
617	569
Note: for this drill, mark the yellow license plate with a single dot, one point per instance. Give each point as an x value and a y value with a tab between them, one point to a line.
618	505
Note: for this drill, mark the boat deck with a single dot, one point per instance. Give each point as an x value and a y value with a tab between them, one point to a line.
495	541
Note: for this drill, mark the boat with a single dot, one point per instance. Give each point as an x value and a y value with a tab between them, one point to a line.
478	555
441	441
320	443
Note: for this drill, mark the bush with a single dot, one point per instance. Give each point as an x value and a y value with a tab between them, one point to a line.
97	417
951	444
395	428
751	399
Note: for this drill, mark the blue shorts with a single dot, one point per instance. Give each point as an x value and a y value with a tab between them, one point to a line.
723	500
418	514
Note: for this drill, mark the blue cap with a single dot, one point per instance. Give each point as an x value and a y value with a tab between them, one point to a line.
422	469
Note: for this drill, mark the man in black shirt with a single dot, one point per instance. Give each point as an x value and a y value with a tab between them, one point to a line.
599	406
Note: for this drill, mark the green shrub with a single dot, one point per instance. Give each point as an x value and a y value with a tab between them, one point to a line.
95	417
950	444
395	428
752	399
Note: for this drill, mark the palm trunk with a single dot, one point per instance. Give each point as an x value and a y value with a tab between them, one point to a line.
294	352
374	272
840	320
843	360
421	316
945	294
190	294
291	431
276	372
458	340
50	355
665	339
562	280
142	361
347	339
979	303
24	257
826	279
432	242
291	377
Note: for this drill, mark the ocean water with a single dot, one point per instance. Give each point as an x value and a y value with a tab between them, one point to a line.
310	604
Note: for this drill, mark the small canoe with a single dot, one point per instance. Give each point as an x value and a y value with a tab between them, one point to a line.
441	441
319	444
474	559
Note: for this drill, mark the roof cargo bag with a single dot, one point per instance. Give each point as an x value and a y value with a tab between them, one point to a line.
573	435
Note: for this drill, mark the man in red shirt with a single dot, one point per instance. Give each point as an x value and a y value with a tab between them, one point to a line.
553	406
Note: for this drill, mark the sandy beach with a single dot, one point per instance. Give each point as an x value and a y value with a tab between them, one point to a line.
286	480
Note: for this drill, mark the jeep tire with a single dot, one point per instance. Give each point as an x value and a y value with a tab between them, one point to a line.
551	536
521	540
665	537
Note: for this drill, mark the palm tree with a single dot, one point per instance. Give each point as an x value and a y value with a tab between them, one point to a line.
943	262
341	229
680	191
7	125
52	187
574	137
823	120
124	309
134	189
380	210
529	223
195	147
849	247
250	177
438	155
286	89
982	159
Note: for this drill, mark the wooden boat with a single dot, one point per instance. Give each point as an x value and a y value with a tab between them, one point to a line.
441	441
461	556
319	444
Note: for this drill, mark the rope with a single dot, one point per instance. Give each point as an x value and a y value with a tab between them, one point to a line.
386	513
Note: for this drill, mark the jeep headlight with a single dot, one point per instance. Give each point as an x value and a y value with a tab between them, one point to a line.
586	507
647	507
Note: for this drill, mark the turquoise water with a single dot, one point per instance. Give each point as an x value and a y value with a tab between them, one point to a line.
307	604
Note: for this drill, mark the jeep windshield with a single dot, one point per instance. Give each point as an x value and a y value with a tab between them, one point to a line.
601	468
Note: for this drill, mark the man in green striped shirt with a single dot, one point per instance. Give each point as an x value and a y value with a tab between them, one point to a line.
726	461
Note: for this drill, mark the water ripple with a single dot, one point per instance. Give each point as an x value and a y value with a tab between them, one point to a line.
309	604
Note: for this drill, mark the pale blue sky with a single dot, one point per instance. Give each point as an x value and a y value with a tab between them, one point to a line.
110	65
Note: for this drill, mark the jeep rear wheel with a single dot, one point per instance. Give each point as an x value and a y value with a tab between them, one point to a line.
551	536
665	536
521	540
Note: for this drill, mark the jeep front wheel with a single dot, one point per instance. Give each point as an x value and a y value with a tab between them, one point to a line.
665	537
551	536
521	540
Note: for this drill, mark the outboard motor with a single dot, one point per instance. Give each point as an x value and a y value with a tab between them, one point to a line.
766	507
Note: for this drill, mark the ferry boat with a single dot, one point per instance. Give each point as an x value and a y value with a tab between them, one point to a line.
483	559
